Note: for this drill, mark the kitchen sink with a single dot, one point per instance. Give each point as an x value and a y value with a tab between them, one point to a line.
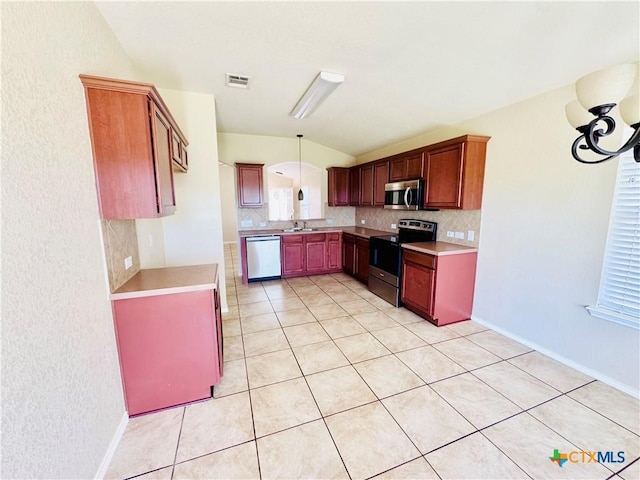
309	229
290	230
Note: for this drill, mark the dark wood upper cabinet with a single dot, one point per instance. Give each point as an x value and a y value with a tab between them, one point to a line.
366	185
354	186
132	137
407	166
249	185
338	186
454	175
380	178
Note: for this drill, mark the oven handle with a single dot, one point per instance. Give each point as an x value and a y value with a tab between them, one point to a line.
407	193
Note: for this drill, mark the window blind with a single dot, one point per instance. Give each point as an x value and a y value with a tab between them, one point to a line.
619	296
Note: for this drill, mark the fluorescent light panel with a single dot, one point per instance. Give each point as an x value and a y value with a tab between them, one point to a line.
318	91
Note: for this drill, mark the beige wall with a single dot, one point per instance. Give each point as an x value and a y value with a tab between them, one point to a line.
228	197
235	148
61	393
544	225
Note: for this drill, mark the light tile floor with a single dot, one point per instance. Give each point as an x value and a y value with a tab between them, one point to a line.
323	380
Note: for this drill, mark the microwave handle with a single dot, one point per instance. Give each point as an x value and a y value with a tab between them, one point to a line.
407	193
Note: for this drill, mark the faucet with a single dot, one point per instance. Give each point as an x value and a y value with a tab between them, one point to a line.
305	225
295	224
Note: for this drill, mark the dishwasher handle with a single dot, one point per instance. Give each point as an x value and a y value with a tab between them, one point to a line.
264	238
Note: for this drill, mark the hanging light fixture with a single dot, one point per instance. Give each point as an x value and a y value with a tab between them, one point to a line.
300	194
598	93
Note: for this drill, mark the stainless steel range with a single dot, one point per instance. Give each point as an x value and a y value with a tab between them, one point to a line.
385	257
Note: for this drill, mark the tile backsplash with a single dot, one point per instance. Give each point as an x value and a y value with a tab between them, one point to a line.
447	220
120	241
339	216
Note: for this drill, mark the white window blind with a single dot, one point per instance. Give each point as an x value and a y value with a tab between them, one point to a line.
619	296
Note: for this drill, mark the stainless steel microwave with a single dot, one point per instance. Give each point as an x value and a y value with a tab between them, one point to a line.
404	195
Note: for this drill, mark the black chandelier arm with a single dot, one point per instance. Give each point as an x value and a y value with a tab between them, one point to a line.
591	135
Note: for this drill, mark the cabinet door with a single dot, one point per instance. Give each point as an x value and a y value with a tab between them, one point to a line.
292	255
381	177
366	189
316	253
219	336
250	186
417	287
338	187
162	159
334	250
348	254
362	260
354	186
443	185
415	166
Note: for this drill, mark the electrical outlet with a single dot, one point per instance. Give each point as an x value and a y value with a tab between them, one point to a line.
263	224
363	221
246	223
128	262
329	221
393	226
471	235
450	234
460	235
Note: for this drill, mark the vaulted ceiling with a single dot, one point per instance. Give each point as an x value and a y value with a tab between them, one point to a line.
410	67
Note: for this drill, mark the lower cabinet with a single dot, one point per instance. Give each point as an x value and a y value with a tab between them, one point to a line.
311	254
355	257
170	348
438	288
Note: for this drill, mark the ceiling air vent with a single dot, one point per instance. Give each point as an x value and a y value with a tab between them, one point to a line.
237	81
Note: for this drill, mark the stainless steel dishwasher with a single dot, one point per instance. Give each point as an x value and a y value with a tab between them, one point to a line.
263	258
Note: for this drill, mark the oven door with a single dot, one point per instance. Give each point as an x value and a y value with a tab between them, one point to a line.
384	255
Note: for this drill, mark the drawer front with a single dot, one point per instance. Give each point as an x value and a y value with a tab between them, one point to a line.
316	237
291	238
362	242
333	237
423	259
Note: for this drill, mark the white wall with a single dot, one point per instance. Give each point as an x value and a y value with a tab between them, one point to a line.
544	224
193	235
61	391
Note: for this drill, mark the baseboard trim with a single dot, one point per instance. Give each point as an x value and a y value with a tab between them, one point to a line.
570	363
108	456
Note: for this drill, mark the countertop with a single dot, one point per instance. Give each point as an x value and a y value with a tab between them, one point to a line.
358	231
164	281
438	248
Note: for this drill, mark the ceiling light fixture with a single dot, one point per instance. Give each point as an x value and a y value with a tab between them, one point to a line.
318	91
300	194
598	93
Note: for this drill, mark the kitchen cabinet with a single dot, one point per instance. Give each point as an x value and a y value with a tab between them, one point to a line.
338	186
366	185
311	253
170	344
179	155
354	186
293	255
348	253
315	247
439	288
407	166
361	255
334	251
355	257
250	185
380	179
132	138
454	174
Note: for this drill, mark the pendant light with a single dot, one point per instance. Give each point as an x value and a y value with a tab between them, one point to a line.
300	194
